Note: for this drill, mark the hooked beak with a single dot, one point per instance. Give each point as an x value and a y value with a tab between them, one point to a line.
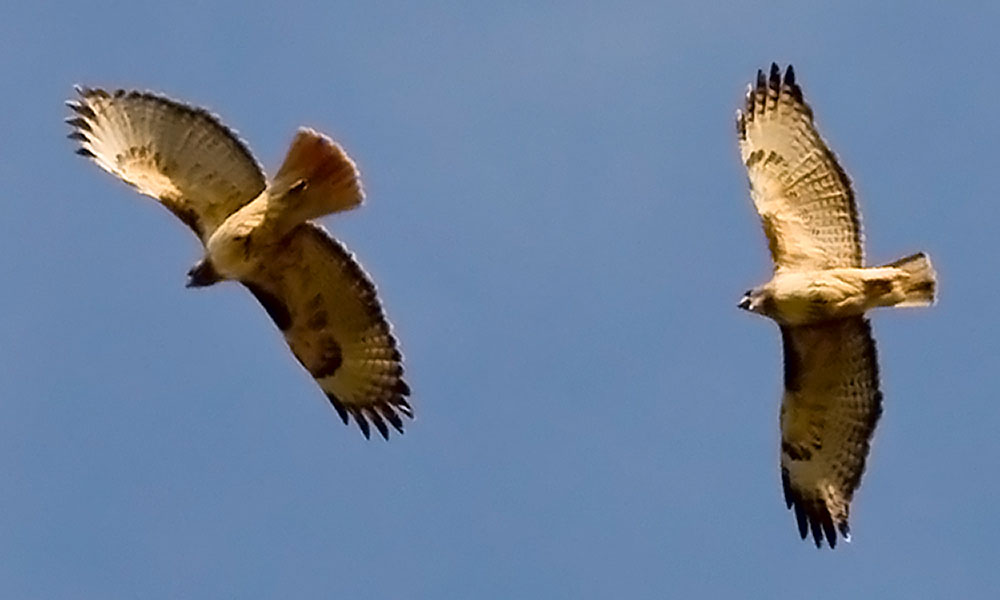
202	274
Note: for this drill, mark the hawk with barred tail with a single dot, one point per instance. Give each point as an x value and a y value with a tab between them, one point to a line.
259	234
818	295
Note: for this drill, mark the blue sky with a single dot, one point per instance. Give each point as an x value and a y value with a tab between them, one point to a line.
560	229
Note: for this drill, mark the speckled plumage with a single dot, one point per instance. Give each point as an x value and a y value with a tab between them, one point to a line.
258	233
819	294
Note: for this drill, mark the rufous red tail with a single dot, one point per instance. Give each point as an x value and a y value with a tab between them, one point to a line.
317	178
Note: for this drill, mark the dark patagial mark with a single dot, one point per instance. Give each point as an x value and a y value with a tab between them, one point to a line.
330	358
187	216
318	321
793	361
276	309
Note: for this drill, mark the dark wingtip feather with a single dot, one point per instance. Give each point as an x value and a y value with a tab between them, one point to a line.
790	75
786	487
815	518
363	424
390	415
817	532
403	406
338	406
774	81
79	123
86	153
829	530
845	531
374	417
81	109
78	136
802	519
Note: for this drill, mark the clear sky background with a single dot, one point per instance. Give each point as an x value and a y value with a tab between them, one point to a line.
560	229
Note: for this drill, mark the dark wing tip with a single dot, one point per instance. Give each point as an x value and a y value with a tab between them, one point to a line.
400	404
79	124
773	85
338	406
378	415
802	519
391	416
845	531
81	109
85	91
376	420
829	530
812	516
362	423
774	81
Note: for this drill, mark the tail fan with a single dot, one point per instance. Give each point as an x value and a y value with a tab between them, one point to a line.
317	178
920	287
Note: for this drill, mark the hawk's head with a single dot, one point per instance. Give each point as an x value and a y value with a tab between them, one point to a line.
754	300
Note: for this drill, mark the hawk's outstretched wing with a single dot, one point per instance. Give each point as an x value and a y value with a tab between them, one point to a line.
326	306
828	415
803	196
180	155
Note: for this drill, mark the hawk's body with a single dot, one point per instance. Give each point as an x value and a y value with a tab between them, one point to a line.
818	295
805	297
259	234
